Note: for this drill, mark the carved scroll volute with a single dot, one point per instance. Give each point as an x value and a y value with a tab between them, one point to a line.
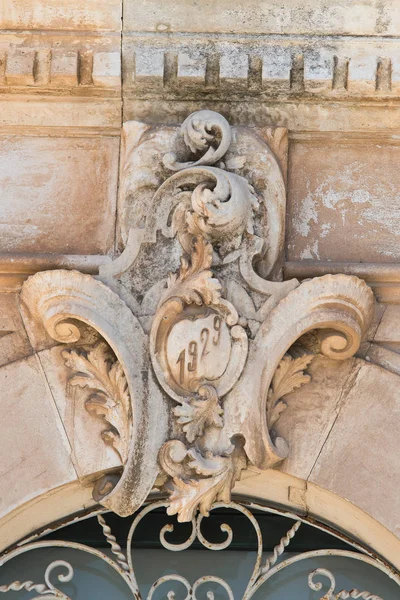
341	307
55	301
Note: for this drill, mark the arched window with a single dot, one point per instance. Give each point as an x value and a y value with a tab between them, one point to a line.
241	551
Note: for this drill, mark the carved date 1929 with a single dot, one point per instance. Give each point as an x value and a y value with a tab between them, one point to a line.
198	350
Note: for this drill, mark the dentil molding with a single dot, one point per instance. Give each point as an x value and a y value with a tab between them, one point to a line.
196	342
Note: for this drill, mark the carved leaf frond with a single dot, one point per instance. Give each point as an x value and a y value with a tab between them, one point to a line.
289	376
110	400
194	283
219	476
91	370
198	414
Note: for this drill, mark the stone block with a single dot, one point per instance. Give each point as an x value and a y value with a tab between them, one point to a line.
34	452
360	458
191	64
258	17
311	412
64	68
106	69
60	111
149	62
14	343
19	67
61	15
58	194
389	328
388	359
343	200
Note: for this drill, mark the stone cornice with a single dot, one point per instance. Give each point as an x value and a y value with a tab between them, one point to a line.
261	66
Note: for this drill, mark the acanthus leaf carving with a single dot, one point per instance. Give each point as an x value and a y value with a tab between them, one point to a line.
197	414
194	282
200	480
289	376
109	398
56	304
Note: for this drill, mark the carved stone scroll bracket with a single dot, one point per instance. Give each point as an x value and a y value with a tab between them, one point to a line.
339	305
57	301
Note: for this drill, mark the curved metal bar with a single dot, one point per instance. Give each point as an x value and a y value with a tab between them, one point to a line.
48	589
131	583
170	594
123	565
313	554
331	595
245	511
211	579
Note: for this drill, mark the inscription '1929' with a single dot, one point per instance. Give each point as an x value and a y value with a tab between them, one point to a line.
193	349
198	349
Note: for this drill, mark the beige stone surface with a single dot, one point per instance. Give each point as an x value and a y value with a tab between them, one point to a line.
343	202
14	343
360	459
55	505
19	67
326	71
75	115
312	116
35	455
58	194
64	67
262	66
107	69
361	17
312	411
387	358
389	326
103	15
299	497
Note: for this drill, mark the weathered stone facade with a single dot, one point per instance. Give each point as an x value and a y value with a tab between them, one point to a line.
199	260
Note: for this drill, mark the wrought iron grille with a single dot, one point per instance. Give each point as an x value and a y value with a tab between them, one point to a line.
321	581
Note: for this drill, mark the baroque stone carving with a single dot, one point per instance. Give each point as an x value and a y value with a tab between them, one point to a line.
55	305
193	370
110	398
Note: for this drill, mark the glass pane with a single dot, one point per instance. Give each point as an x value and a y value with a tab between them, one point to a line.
95	579
92	577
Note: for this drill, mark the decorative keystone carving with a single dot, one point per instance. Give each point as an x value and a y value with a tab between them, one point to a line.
202	222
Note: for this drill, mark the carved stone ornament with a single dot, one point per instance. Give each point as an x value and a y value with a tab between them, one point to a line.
193	358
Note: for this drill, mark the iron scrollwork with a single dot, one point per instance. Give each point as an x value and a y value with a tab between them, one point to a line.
265	567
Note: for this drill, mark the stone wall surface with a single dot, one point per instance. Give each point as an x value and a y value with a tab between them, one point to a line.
317	81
